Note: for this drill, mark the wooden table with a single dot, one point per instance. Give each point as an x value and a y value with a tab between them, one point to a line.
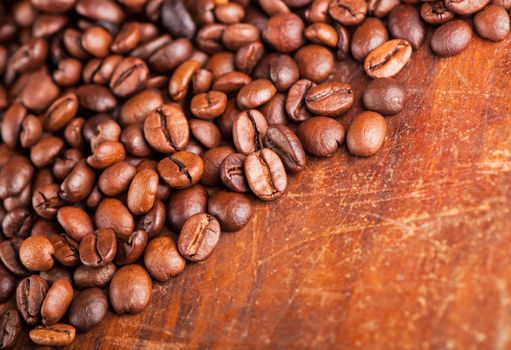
408	249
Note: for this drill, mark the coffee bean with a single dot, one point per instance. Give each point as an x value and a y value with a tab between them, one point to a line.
212	159
177	20
127	39
248	131
465	7
11	124
107	130
78	184
58	334
284	72
221	63
73	132
153	222
130	289
405	23
388	59
256	93
181	79
166	129
142	191
100	10
451	38
368	36
348	12
68	72
44	152
171	55
321	136
366	134
14	176
202	81
66	162
206	133
75	221
57	301
99	248
116	179
322	33
232	172
199	237
182	169
209	37
239	34
283	141
134	142
7	285
129	252
385	96
229	13
96	41
137	107
209	105
30	294
329	99
185	203
29	56
435	12
87	277
275	110
162	259
36	253
17	223
295	101
96	98
49	6
232	210
231	82
89	308
66	250
492	23
10	329
113	214
315	62
265	174
284	32
10	258
248	56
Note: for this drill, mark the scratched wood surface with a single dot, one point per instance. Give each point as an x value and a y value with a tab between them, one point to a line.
408	249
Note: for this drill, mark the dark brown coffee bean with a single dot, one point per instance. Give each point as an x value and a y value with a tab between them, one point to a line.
213	158
100	10
385	96
57	301
21	200
142	191
50	6
366	134
68	72
248	56
256	93
329	99
248	131
343	42
221	63
284	72
10	328
206	133
45	151
182	169
237	35
321	136
185	203
78	184
106	154
465	7
14	176
388	59
492	23
166	129
36	253
232	210
284	32
128	252
451	38
229	13
55	273
11	124
96	41
153	222
130	289
286	144
199	237
232	172
55	335
231	82
127	39
181	78
65	162
265	174
162	259
97	98
209	37
405	23
29	298
17	223
315	62
177	20
10	258
87	277
295	101
29	56
368	36
171	55
89	308
435	12
317	11
322	33
66	250
73	132
75	222
208	105
99	248
116	179
275	109
112	213
134	142
202	81
148	48
135	109
348	12
7	285
129	77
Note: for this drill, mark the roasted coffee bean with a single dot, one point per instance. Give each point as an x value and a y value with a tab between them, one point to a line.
106	154
492	23
166	129
94	198
232	172
142	191
502	3
100	10
45	151
11	124
7	285
75	221
231	82
199	237
329	99
229	13
206	133
162	259
177	20
36	253
284	32
66	250
208	105
348	12
96	98
17	223
129	252
107	130
127	39
315	62
153	222
10	328
366	134
44	227
405	23
14	176
284	72
185	203
435	12
78	184
148	48
96	41
322	33
256	93
171	55
226	121
116	179
134	142
55	273
368	36
295	101
202	81
182	169
283	141
248	131
321	136
66	162
112	213
87	277
181	79
465	7
388	59
30	294
237	35
73	132
10	258
248	56
57	301
451	38
209	37
135	109
58	334
129	77
89	308
265	174
385	96
221	63
91	126
21	200
29	56
130	289
275	109
343	42
232	210
68	72
212	160
99	248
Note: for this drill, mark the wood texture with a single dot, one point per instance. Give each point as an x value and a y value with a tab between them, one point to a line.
408	249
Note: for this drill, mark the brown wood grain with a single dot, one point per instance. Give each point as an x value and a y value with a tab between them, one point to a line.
408	249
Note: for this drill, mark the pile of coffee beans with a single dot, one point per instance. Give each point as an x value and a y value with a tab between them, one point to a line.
135	132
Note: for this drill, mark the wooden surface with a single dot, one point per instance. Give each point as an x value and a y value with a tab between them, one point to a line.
408	249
